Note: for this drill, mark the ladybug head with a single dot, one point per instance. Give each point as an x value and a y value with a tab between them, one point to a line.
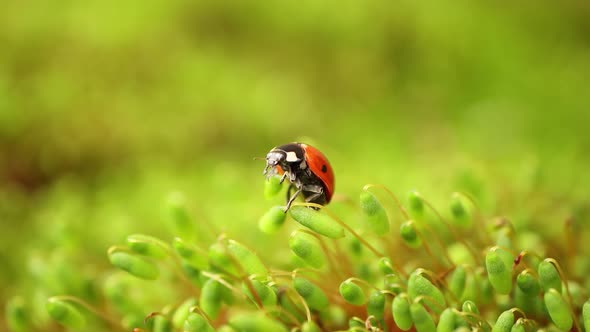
282	158
273	159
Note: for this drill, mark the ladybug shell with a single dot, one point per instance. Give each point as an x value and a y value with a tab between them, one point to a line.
320	167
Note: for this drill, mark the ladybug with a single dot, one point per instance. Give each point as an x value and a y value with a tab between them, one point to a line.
307	169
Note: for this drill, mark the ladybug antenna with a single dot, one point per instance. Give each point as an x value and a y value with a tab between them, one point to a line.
259	158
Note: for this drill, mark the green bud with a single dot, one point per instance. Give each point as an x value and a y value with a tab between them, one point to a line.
586	315
317	222
162	324
528	283
376	305
134	265
393	283
211	298
470	306
355	246
267	295
335	314
272	220
148	246
306	247
385	265
375	215
529	304
416	204
447	321
519	326
197	323
400	308
422	319
486	290
192	273
17	315
549	276
409	234
315	297
504	322
65	314
458	281
272	186
499	274
459	212
310	326
289	305
255	322
352	293
178	215
196	256
420	286
182	312
220	260
558	310
250	262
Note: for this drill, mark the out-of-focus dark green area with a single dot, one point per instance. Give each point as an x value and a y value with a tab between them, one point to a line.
107	106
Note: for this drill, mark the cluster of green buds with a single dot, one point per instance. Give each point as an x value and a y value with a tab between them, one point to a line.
394	266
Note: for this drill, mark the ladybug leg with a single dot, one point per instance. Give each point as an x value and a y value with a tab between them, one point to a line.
289	192
292	198
316	190
283	179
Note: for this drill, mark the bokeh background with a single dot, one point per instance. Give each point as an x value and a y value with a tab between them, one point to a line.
108	106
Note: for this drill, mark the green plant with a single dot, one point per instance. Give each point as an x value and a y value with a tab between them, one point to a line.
330	285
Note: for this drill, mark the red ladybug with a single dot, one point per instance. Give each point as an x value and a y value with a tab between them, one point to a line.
307	169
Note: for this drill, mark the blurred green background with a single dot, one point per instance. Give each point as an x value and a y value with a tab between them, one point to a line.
107	106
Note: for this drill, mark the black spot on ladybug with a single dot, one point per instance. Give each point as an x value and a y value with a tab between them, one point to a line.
324	168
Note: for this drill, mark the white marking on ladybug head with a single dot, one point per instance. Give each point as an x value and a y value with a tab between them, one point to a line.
303	165
291	156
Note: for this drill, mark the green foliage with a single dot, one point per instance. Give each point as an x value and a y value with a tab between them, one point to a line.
317	222
419	286
423	321
148	246
255	322
197	323
447	321
409	234
376	305
499	272
315	297
558	309
586	314
272	186
135	265
248	260
264	293
121	118
272	220
306	247
352	293
505	322
375	215
549	276
182	313
17	315
211	298
65	313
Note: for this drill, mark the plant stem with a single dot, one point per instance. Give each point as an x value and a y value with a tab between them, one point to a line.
89	308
